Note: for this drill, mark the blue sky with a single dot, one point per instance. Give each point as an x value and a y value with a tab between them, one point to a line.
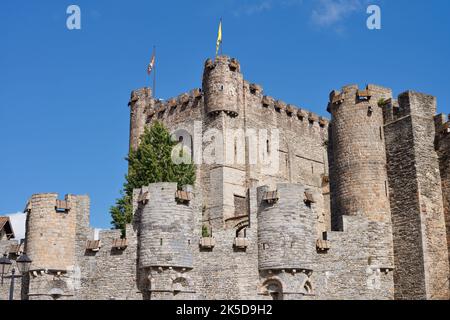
63	94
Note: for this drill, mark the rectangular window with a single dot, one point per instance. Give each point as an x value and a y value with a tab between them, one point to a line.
240	206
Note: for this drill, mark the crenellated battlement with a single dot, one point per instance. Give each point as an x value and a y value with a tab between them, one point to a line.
183	103
291	110
232	63
109	241
353	94
409	103
255	89
185	195
49	202
442	124
140	94
224	89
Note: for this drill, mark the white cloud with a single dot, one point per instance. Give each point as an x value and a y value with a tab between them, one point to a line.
18	221
330	12
325	13
253	8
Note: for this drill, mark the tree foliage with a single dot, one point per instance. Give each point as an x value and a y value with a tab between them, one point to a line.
151	163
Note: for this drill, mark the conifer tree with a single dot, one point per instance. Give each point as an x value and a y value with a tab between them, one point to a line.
150	163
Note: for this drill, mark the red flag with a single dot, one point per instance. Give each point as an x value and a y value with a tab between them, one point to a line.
151	64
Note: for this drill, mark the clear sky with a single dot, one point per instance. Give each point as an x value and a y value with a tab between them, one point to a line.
63	94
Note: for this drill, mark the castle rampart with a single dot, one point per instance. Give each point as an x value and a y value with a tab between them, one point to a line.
109	270
346	261
420	249
442	123
379	170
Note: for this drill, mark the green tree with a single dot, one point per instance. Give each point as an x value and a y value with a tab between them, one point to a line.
150	163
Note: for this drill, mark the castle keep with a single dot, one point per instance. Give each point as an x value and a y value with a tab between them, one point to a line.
357	208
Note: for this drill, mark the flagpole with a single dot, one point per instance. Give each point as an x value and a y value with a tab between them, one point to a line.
154	73
221	40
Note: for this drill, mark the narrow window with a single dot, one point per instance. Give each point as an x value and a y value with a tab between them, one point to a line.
381	133
268	146
240	206
161	241
235	150
386	188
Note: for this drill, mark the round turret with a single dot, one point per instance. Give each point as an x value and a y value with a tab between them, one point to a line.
51	231
286	229
222	85
166	227
359	183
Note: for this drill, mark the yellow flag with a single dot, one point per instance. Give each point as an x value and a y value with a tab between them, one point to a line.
219	37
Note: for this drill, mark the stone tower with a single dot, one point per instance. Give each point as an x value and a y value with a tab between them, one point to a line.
140	103
223	91
53	241
421	256
222	86
358	174
286	240
166	240
359	182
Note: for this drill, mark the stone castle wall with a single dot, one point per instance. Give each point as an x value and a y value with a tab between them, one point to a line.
251	115
443	150
421	256
359	181
286	230
110	273
348	270
166	240
318	227
51	232
5	248
63	266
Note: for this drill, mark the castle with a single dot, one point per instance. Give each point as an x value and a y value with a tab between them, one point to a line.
358	207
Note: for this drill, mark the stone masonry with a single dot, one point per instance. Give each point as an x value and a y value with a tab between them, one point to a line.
416	199
286	205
